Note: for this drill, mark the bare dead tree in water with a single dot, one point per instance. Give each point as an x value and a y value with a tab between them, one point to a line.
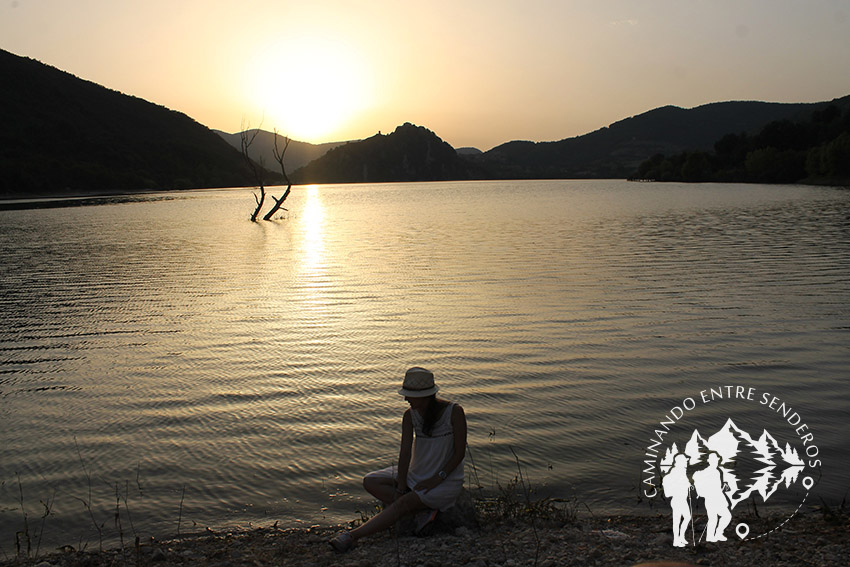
247	138
278	156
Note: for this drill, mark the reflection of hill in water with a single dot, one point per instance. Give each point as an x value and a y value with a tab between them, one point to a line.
60	202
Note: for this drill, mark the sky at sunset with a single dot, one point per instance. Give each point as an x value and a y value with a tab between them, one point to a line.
478	73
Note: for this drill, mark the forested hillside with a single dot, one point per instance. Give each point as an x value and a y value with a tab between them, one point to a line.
64	135
814	149
616	151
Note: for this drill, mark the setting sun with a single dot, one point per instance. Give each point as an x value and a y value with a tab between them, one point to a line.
308	88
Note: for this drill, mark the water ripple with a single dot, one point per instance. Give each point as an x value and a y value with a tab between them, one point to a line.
172	344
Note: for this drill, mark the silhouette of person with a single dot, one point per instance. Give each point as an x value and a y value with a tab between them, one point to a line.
710	486
676	486
429	475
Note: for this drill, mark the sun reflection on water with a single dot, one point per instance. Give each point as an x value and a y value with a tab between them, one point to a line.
313	262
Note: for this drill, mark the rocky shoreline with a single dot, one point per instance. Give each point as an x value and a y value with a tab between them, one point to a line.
813	539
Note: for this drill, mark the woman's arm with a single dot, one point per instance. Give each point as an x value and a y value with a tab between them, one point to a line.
459	430
405	451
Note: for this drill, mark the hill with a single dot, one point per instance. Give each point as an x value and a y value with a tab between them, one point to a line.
298	154
814	148
410	153
613	152
617	151
65	135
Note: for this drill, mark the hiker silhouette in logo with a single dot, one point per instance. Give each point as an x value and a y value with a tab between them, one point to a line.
710	485
676	486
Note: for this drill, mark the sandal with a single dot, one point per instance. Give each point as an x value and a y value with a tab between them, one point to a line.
342	542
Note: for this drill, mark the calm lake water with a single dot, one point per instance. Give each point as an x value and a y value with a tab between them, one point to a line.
211	371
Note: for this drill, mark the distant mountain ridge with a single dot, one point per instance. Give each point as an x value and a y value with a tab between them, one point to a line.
63	135
616	151
298	154
612	152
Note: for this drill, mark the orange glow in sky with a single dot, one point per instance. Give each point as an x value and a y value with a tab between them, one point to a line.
311	86
476	72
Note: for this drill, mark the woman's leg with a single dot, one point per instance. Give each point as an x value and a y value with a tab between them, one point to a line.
382	488
404	505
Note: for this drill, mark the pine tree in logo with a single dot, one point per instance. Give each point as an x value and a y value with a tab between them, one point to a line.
792	465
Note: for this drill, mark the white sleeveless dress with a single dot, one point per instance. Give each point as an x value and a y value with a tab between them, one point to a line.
430	455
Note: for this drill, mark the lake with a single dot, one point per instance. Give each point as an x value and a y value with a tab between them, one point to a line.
165	354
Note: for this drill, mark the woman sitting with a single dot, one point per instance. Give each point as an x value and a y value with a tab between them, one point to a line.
429	475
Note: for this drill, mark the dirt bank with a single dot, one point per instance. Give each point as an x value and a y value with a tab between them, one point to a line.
805	540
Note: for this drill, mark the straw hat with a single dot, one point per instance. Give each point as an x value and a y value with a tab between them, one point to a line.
418	383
